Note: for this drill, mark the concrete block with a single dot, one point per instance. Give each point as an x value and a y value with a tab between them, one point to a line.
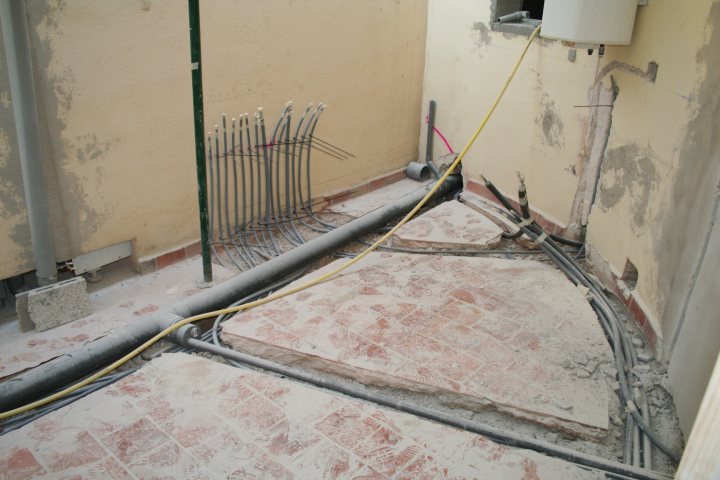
21	306
52	305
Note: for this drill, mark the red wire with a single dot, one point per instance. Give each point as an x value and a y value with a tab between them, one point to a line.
442	137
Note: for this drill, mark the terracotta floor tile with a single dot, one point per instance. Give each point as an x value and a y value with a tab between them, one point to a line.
226	452
130	443
347	426
192	428
18	464
261	467
317	435
256	412
388	451
435	320
85	450
326	460
169	462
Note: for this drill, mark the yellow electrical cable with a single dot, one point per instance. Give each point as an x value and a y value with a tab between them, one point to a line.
275	296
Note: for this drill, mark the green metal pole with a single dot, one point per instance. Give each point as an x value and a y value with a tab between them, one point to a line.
196	67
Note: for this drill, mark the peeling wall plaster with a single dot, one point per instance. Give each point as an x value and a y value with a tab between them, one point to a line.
551	123
628	170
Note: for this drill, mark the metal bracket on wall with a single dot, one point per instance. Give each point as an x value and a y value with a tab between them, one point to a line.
90	262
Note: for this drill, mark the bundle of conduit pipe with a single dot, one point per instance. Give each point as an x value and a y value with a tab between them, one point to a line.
638	448
259	185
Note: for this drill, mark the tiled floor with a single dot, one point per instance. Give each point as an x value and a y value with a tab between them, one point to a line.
358	206
488	209
120	299
449	225
183	416
512	333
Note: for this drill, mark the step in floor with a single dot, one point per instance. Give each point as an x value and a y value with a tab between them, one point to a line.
512	335
184	416
450	225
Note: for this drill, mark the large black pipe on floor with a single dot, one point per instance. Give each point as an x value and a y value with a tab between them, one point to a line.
43	380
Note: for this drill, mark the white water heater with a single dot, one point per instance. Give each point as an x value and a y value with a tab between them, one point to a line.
589	22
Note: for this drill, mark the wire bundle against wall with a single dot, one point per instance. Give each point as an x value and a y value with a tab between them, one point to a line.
639	436
260	184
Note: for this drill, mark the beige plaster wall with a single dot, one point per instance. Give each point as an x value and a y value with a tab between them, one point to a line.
660	168
536	128
114	90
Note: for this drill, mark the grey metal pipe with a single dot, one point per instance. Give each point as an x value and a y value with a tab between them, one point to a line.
429	140
501	436
417	171
513	17
42	380
22	90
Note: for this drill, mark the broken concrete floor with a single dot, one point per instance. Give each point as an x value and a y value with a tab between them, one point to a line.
161	422
449	225
510	335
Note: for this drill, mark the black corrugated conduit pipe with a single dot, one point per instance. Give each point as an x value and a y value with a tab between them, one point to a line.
57	373
525	211
600	303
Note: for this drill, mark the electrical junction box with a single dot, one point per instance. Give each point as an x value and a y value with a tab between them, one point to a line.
589	23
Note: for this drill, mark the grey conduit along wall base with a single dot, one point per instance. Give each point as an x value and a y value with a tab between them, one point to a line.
501	436
42	380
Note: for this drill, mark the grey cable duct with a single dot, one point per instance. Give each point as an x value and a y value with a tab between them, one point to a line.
496	434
